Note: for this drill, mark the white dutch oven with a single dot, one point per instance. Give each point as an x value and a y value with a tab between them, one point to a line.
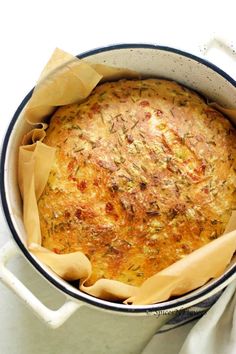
151	61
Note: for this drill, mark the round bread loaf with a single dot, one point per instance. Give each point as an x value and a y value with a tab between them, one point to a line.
144	174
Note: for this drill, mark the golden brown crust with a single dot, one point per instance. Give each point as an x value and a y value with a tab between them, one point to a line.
144	174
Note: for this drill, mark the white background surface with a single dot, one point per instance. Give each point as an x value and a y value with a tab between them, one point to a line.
29	32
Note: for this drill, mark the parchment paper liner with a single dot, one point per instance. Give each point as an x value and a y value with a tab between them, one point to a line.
65	80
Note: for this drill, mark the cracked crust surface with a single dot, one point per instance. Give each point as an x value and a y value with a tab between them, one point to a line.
144	174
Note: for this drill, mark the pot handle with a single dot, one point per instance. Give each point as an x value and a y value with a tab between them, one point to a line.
53	318
222	52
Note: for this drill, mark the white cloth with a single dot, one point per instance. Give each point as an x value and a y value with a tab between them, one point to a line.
214	333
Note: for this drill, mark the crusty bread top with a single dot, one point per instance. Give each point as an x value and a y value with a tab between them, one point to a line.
144	174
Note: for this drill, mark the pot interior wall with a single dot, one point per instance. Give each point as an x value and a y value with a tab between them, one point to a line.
172	65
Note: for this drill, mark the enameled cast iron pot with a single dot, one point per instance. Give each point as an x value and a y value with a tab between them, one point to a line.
151	61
